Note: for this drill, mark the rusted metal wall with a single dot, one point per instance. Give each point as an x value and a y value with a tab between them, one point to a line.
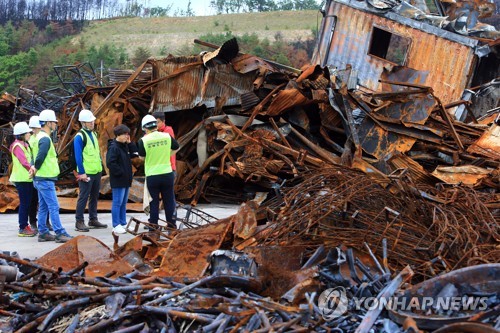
195	84
445	57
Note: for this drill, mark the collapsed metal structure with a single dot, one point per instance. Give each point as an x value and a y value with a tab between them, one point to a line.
360	177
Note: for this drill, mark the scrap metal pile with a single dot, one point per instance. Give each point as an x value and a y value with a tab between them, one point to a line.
368	191
195	280
244	123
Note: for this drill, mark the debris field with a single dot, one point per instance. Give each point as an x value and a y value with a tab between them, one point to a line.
345	194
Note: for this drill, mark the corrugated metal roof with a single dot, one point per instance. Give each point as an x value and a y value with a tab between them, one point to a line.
198	85
447	57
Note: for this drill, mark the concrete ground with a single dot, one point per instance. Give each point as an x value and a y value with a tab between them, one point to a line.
29	247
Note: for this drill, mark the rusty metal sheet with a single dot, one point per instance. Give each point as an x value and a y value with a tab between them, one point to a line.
465	174
135	244
417	172
246	63
223	54
187	253
9	200
73	253
245	221
109	118
488	144
285	100
488	119
345	39
381	142
276	266
402	74
360	164
196	86
279	257
314	77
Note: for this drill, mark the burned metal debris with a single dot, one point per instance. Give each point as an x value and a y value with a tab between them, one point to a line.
373	175
292	123
255	289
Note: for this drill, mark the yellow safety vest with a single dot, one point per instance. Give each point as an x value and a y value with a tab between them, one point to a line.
91	154
158	146
19	172
50	166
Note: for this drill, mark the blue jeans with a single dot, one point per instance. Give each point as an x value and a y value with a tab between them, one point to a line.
119	206
25	191
48	205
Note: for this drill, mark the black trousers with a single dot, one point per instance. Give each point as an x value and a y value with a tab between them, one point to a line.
89	191
162	184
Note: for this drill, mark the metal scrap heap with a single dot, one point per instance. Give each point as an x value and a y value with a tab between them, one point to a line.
349	194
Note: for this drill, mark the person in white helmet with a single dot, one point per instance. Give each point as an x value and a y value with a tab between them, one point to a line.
35	127
163	127
157	147
21	164
89	168
45	173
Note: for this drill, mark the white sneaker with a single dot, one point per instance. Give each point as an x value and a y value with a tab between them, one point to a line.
119	229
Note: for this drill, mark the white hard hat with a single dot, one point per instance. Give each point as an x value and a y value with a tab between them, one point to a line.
86	115
147	121
21	128
47	115
34	122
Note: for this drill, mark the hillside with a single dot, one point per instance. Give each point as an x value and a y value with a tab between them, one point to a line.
176	34
29	53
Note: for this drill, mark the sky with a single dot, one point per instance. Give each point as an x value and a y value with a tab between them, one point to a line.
200	7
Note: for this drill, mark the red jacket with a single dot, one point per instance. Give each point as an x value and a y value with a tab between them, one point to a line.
170	131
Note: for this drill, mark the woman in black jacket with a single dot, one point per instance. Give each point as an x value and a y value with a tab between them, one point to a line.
118	161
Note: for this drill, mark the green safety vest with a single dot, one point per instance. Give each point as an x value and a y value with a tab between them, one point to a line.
50	166
19	172
158	147
91	154
33	142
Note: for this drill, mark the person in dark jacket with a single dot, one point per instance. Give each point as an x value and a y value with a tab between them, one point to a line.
118	161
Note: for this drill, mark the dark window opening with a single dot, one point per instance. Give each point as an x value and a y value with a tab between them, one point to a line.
389	46
487	69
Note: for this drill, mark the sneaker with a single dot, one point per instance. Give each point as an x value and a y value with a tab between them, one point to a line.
46	237
63	238
80	226
119	229
27	232
95	224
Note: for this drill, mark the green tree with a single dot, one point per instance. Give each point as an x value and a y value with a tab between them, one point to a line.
141	54
110	55
189	9
260	5
218	5
160	11
305	4
13	68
